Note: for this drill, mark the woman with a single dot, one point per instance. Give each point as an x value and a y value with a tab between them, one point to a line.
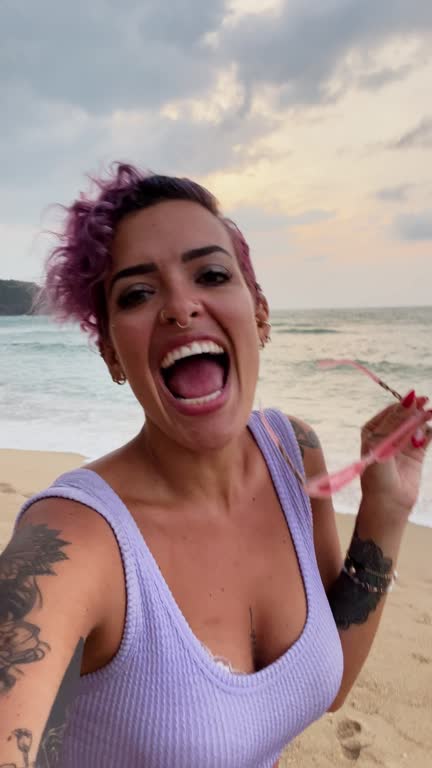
181	602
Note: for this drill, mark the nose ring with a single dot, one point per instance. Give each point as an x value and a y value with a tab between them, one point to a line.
164	319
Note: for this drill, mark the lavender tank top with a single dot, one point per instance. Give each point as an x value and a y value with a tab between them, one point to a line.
163	701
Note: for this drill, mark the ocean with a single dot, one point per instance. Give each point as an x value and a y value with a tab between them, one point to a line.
56	394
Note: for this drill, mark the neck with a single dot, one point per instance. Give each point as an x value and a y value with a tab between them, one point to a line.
214	478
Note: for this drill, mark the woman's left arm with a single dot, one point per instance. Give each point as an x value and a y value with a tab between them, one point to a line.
389	492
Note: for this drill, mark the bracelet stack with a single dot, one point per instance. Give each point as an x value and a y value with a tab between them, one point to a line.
369	579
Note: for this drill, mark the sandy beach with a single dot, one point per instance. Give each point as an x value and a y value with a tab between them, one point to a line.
387	719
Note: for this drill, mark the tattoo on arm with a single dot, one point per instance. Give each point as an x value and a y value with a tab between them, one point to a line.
305	438
31	553
49	752
350	602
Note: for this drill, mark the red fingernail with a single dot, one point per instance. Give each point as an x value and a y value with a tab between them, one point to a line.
421	401
418	443
419	438
408	399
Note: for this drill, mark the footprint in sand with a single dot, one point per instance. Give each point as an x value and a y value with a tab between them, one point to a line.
348	732
424	618
421	659
6	488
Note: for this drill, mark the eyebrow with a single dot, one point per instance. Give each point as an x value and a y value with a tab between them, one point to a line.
150	266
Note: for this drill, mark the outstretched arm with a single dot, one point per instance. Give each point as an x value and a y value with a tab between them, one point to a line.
50	602
376	540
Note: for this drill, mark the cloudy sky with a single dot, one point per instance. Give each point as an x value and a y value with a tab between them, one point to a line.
311	121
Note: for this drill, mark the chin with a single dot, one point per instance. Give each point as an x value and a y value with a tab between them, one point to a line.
212	431
204	442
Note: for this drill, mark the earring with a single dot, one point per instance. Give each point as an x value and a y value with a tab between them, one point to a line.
120	380
261	324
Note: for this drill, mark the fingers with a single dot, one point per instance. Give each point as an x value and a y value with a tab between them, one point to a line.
398	435
423	434
404	423
422	437
371	426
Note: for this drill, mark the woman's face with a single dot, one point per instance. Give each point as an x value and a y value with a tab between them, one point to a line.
174	262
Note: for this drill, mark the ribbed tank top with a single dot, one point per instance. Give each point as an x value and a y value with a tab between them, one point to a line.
163	701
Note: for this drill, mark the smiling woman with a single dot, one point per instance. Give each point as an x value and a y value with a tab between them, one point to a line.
198	613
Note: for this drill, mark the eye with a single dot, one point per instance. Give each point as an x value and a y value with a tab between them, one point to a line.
213	275
137	295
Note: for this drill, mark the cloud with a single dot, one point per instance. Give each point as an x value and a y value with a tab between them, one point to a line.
394	194
252	219
414	227
318	259
67	142
102	56
373	81
418	137
84	83
313	216
303	49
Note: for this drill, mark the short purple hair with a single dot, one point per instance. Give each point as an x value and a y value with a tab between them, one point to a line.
76	269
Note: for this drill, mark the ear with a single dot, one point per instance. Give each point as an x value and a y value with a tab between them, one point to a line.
262	319
109	356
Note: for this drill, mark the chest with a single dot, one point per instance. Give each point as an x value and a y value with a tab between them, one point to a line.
236	580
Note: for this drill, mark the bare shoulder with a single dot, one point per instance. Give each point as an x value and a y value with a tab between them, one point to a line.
87	527
309	444
326	539
86	542
53	586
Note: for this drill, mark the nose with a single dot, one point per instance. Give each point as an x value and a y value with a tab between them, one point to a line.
179	313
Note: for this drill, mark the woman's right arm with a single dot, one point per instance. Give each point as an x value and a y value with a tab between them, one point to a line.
52	588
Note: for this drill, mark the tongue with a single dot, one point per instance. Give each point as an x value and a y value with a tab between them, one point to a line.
196	377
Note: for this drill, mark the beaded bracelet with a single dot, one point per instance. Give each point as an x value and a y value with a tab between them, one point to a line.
351	561
377	582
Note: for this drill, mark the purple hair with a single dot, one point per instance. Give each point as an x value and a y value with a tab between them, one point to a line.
75	270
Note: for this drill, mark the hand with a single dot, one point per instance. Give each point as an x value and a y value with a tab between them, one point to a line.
396	481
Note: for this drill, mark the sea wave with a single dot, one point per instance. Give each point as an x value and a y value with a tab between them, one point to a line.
314	331
72	345
384	367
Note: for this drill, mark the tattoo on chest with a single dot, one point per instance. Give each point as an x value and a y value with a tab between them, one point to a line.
352	602
31	553
253	638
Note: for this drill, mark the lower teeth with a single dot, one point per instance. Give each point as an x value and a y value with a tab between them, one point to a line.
200	400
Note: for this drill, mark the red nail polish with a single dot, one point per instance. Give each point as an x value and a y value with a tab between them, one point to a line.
419	438
418	443
408	399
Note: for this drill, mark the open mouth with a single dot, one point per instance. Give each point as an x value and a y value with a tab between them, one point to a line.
196	373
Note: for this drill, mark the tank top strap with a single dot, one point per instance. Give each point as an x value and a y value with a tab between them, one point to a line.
297	508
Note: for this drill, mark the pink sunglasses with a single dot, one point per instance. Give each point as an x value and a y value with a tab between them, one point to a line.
322	486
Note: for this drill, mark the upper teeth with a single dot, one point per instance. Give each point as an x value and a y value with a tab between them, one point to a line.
195	348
